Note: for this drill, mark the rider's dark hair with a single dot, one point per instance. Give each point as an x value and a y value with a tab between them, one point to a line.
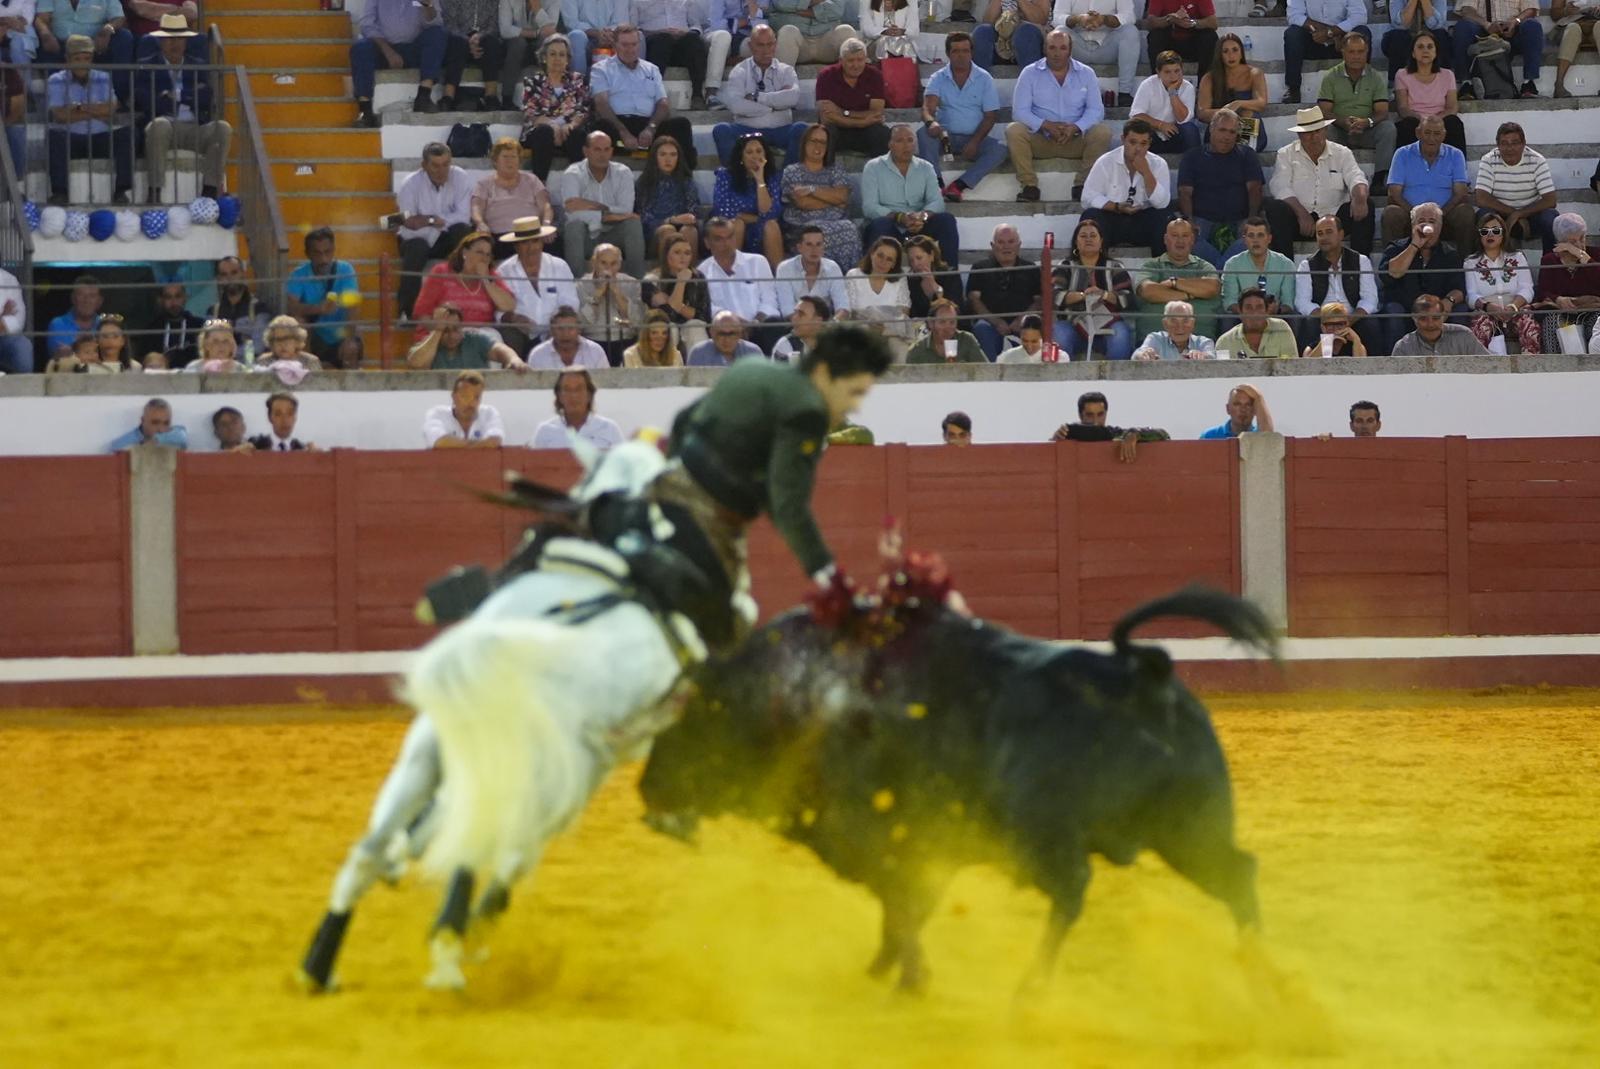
848	350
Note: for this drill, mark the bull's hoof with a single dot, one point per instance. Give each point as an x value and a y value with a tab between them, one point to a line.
878	968
913	983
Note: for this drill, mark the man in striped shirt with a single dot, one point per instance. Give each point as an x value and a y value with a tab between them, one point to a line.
1515	181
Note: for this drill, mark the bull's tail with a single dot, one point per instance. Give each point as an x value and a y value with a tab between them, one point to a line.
1237	618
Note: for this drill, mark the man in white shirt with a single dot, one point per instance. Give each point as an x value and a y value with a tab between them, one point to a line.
598	195
435	213
1103	31
466	422
1315	177
566	348
283	410
1128	191
16	352
575	390
741	283
541	284
1165	100
762	93
810	274
1336	274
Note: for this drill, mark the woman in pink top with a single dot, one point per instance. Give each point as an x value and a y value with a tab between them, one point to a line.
1423	89
468	281
508	194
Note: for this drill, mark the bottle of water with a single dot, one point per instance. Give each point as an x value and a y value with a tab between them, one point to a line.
1249	46
250	352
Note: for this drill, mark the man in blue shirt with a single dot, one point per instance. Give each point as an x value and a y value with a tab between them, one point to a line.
959	107
1428	170
1316	31
1057	114
900	197
81	103
630	100
1219	187
103	22
155	428
322	291
82	318
1247	412
396	34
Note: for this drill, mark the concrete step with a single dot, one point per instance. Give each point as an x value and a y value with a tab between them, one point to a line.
331	82
325	112
334	209
286	6
309	52
324	143
282	27
328	175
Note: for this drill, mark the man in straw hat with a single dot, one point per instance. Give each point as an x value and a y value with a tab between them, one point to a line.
180	107
81	103
540	283
1316	177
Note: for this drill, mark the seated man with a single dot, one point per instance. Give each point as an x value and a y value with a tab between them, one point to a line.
1091	426
1002	290
945	342
1177	275
435	204
674	36
741	283
567	347
397	34
900	197
1247	412
1057	114
1009	33
155	428
1430	171
104	24
16	350
1439	271
810	274
248	313
81	104
1316	30
630	102
1515	181
1176	340
762	93
175	331
283	411
598	195
227	424
466	422
1103	31
1313	178
1259	267
850	102
1165	101
575	414
1187	27
1337	274
1515	21
1433	336
959	109
1219	187
542	283
320	294
806	320
177	102
1412	18
1356	98
590	25
1258	336
1127	192
449	346
726	344
809	31
83	317
1577	20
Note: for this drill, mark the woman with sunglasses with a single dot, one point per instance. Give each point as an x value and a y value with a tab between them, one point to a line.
1499	290
1335	320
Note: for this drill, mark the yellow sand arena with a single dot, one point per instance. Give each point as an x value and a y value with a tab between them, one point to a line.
1430	879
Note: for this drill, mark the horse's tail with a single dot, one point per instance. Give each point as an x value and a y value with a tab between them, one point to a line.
1238	619
510	769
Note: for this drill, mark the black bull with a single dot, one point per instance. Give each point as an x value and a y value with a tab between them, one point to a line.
958	742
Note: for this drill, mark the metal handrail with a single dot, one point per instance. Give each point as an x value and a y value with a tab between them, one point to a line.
263	216
16	237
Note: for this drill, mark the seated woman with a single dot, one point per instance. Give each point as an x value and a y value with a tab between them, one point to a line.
816	192
1500	289
105	352
286	344
666	197
1343	339
1233	84
1568	291
749	193
680	292
890	28
879	297
928	277
503	196
469	281
219	352
655	347
608	302
1423	89
1094	295
555	108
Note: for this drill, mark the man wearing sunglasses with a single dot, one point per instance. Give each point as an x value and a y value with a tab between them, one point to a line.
1435	337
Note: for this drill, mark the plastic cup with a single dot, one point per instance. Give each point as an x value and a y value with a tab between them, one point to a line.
1327	345
951	349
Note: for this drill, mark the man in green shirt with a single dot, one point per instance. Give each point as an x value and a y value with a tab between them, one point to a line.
449	346
1179	275
1258	267
1258	336
1356	98
943	331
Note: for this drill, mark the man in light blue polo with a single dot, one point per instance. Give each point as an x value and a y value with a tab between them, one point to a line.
1247	413
900	197
155	428
591	24
1430	170
1057	113
960	106
630	100
101	21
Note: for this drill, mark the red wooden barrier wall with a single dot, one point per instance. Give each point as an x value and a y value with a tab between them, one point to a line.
1451	536
64	571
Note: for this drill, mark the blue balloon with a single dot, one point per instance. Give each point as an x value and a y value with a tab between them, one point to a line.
228	210
153	223
30	212
102	224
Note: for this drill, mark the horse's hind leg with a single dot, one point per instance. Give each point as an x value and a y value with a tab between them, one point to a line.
449	933
406	794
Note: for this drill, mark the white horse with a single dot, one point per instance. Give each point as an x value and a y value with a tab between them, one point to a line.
522	711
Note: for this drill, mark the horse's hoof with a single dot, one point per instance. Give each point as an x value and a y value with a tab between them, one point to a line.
447	954
311	985
446	978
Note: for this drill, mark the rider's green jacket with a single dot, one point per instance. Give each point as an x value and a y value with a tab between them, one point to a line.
753	442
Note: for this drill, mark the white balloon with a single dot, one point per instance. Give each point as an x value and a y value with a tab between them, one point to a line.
178	222
52	221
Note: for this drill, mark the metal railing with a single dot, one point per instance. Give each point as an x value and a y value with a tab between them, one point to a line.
16	237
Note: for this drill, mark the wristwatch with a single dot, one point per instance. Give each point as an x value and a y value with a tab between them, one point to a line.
846	113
